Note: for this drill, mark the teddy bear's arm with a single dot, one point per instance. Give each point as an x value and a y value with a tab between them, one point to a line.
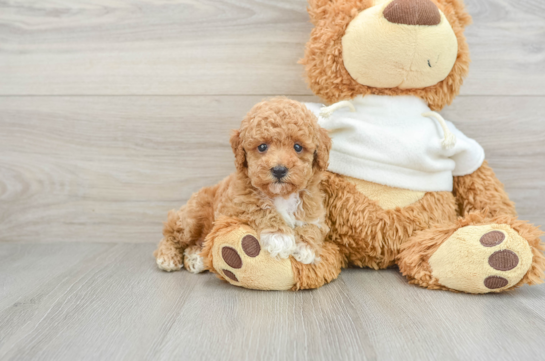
482	191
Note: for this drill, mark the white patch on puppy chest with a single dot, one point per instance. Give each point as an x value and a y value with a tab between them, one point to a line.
287	208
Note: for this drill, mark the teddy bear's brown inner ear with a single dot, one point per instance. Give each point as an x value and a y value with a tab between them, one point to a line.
412	12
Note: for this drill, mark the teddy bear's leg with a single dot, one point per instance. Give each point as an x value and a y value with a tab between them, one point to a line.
232	251
475	255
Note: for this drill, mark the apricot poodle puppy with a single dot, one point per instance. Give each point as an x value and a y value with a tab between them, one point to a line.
281	154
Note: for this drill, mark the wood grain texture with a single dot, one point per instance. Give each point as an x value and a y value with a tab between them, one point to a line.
107	169
109	302
434	325
112	112
512	133
210	47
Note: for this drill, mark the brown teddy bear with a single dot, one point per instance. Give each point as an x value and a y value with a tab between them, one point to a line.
405	187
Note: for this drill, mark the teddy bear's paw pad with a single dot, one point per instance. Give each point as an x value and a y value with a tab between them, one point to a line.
230	274
492	238
503	260
231	257
482	259
250	246
240	259
494	282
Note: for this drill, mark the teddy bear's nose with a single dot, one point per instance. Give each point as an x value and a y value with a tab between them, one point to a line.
412	12
279	172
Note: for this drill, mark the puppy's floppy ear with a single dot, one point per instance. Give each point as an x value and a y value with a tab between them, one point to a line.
321	154
240	153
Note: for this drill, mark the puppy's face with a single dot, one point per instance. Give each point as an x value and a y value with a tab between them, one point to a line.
280	166
280	147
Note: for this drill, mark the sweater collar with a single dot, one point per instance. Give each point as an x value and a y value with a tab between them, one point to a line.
394	109
401	105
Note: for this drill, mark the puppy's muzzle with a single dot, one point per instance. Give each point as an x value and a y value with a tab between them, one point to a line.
279	172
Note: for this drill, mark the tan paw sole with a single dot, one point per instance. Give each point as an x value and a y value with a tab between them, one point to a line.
238	257
482	259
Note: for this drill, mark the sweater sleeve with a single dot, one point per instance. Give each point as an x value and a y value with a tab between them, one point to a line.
468	155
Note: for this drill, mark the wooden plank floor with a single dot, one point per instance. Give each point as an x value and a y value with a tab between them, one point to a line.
85	301
112	112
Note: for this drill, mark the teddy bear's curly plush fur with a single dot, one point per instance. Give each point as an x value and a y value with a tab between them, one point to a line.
464	240
329	79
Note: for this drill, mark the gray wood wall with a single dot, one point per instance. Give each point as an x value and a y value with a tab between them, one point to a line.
113	112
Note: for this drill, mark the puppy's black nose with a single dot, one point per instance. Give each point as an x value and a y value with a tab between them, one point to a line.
279	172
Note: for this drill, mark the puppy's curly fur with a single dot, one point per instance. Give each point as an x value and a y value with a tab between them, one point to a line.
288	213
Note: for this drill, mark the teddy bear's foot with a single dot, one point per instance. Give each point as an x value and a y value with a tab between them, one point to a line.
481	259
234	253
475	256
239	259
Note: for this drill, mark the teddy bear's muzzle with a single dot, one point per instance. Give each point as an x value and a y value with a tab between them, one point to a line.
405	44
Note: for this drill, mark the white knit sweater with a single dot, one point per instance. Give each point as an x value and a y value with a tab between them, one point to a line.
388	141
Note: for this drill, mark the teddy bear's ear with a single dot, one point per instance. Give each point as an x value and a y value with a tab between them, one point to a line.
321	154
317	9
464	19
463	16
238	149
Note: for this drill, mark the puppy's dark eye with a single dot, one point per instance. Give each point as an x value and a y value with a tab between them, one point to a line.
262	147
298	148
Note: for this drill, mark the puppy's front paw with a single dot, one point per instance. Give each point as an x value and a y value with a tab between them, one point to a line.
193	261
168	263
168	256
304	254
278	244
